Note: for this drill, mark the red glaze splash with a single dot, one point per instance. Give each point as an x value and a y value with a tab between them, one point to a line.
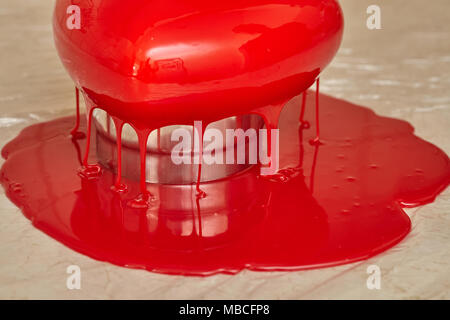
330	204
76	134
119	186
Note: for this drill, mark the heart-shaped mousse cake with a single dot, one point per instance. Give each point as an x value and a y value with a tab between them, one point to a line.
175	61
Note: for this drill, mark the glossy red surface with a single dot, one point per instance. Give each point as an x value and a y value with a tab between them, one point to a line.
159	62
154	63
331	203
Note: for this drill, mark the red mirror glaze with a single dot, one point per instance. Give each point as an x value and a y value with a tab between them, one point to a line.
152	63
175	61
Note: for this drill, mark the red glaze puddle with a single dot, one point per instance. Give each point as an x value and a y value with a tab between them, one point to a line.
332	203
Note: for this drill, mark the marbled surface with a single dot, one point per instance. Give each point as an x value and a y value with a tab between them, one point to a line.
401	71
